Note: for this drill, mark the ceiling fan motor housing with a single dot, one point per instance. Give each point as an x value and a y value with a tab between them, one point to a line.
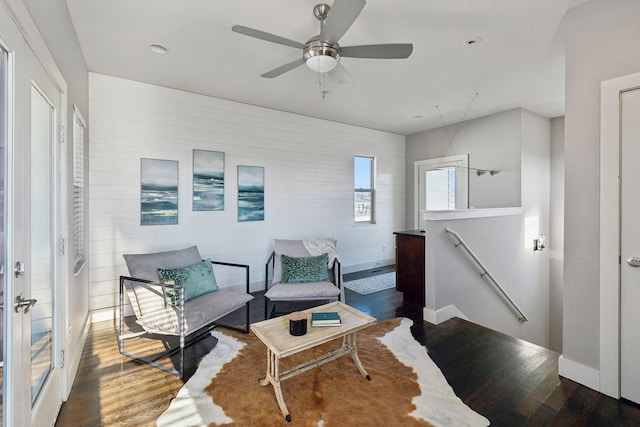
323	55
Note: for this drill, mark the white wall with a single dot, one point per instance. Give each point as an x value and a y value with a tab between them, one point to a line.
308	180
603	42
500	244
536	201
555	242
492	142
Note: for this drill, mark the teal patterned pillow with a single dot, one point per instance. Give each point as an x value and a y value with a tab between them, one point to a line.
197	279
304	270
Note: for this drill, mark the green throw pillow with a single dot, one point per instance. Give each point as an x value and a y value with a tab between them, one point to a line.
304	270
197	279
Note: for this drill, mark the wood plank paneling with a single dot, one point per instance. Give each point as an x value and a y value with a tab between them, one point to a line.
308	179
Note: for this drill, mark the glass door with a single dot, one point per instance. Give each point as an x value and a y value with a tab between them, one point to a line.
33	105
41	272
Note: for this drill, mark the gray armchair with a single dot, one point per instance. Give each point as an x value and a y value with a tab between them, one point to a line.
173	311
294	272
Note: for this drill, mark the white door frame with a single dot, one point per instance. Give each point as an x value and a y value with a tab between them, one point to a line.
29	32
610	113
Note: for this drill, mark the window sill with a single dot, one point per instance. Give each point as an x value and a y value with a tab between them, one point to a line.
468	213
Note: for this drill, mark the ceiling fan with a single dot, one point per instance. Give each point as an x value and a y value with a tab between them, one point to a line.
322	53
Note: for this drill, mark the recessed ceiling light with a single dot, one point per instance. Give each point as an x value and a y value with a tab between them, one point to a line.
473	42
417	117
159	49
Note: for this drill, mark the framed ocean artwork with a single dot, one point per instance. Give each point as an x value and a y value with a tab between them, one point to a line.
250	193
208	180
158	192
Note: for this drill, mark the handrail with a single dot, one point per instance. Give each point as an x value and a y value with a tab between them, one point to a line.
485	273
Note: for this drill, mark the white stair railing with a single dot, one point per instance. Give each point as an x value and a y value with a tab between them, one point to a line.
484	273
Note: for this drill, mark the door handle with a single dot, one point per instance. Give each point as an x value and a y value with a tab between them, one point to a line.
25	304
19	269
634	261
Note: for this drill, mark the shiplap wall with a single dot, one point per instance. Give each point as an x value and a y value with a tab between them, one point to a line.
308	181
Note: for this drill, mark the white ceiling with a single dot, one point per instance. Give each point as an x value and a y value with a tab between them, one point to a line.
519	62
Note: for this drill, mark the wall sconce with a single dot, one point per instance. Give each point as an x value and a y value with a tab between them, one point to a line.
538	244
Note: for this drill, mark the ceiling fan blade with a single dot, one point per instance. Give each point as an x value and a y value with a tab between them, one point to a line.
283	69
340	75
378	51
340	18
266	36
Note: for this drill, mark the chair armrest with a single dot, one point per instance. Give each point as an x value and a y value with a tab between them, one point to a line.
143	282
271	261
231	264
136	279
336	272
149	286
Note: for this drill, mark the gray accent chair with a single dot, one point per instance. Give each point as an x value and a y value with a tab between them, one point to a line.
187	322
276	291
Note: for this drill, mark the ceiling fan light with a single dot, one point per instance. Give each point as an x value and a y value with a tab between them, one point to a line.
321	56
321	63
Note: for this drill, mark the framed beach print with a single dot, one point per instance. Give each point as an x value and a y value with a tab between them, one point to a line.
208	180
250	193
158	192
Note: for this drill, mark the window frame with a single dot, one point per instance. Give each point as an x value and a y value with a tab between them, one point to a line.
78	231
461	161
371	189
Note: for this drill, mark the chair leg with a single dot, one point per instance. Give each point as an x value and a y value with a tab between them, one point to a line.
248	320
247	325
269	308
184	342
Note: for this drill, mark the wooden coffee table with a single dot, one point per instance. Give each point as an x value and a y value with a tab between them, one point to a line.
274	333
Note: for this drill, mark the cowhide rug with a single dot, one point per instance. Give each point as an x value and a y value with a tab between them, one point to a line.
406	387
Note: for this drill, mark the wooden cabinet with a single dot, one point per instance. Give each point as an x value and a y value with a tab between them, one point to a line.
410	266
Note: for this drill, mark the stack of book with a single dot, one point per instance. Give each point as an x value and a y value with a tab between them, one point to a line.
325	318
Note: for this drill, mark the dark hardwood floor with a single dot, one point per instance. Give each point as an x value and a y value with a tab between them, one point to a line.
509	381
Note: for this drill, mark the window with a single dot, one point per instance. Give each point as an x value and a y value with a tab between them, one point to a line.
79	255
441	184
364	189
441	189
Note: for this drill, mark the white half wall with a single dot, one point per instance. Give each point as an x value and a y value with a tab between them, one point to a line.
516	143
308	181
499	243
492	142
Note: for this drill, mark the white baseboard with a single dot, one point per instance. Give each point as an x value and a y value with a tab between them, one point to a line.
442	314
582	374
72	366
110	313
346	269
